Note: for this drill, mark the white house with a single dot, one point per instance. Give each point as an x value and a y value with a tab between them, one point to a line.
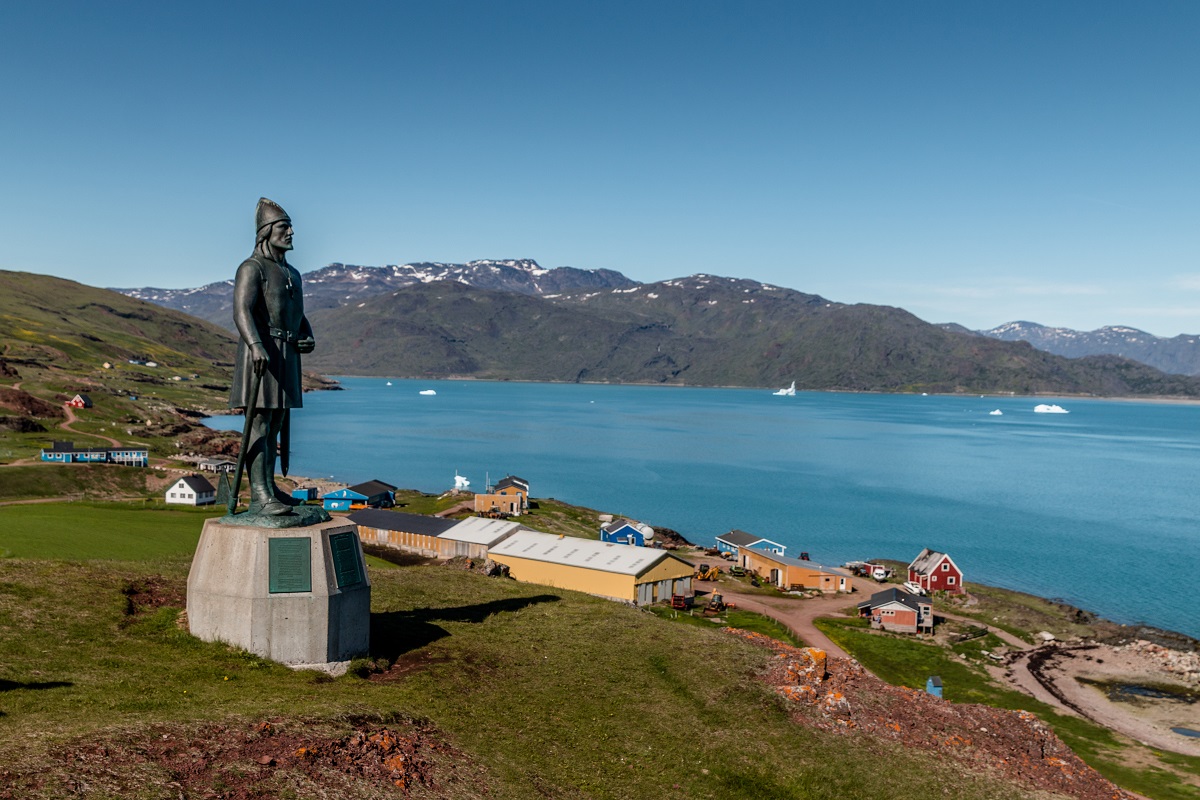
192	490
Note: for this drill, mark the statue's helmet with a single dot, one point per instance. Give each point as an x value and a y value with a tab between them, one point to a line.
268	212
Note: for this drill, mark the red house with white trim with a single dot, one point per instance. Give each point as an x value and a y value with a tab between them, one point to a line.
936	572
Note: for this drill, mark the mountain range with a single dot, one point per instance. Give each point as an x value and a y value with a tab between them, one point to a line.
345	284
701	330
1179	355
339	284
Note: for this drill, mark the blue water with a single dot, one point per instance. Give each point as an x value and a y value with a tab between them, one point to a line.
1098	507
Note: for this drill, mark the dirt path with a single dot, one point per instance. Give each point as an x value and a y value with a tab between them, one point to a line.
796	614
66	426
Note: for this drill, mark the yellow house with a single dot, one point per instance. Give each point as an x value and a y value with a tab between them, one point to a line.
639	575
793	573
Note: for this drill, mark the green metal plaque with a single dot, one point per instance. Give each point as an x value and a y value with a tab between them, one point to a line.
346	566
290	564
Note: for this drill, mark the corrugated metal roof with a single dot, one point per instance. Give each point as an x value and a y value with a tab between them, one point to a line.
589	553
479	530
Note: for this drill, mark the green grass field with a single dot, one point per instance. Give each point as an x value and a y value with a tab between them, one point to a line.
548	691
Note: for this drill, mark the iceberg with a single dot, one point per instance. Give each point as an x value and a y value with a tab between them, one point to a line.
427	392
1045	408
996	413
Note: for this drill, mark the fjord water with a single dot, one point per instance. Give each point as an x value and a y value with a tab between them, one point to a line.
1098	507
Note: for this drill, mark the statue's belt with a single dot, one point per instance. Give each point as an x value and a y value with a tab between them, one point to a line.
281	334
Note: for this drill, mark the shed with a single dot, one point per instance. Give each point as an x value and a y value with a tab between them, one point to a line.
305	493
475	537
191	490
411	533
934	685
639	575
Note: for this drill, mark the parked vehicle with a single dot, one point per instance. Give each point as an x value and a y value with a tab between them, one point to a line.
913	588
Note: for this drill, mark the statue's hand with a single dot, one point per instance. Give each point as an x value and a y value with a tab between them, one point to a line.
306	345
258	354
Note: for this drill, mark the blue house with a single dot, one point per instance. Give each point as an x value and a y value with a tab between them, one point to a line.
68	453
626	531
730	542
343	500
306	493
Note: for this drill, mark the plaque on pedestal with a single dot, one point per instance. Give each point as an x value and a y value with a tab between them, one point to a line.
299	596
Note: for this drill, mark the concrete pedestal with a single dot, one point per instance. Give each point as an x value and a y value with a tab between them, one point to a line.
299	596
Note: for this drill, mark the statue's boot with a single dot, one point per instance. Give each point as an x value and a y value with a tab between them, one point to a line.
263	490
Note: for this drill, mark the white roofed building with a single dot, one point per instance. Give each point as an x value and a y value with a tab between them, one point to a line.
639	575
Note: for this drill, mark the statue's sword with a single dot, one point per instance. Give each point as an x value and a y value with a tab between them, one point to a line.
251	403
285	441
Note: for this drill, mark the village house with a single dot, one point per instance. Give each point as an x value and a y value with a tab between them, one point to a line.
217	465
627	531
305	493
512	486
936	572
735	539
793	573
67	453
192	490
639	575
371	494
896	610
80	401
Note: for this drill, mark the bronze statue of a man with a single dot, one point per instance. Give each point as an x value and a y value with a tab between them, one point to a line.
268	310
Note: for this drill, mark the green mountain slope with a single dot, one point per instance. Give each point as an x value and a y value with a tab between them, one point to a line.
704	331
55	338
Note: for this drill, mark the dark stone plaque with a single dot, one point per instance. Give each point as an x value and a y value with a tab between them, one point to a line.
346	566
290	565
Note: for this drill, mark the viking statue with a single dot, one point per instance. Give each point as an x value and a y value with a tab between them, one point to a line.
268	310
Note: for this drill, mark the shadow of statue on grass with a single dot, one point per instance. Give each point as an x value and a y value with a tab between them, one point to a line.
394	633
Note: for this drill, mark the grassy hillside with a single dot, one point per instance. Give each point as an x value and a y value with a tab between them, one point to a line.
55	337
698	331
497	688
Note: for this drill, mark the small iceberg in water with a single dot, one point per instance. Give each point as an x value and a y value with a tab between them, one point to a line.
389	383
996	413
1045	408
788	392
427	392
460	482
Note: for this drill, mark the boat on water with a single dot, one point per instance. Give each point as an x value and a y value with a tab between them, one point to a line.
427	392
1049	408
788	392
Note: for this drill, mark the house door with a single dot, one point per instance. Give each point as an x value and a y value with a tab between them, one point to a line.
776	576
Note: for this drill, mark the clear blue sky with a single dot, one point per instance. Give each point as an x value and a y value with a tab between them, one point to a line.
975	162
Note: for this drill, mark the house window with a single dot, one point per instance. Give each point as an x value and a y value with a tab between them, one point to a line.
945	567
172	494
950	580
